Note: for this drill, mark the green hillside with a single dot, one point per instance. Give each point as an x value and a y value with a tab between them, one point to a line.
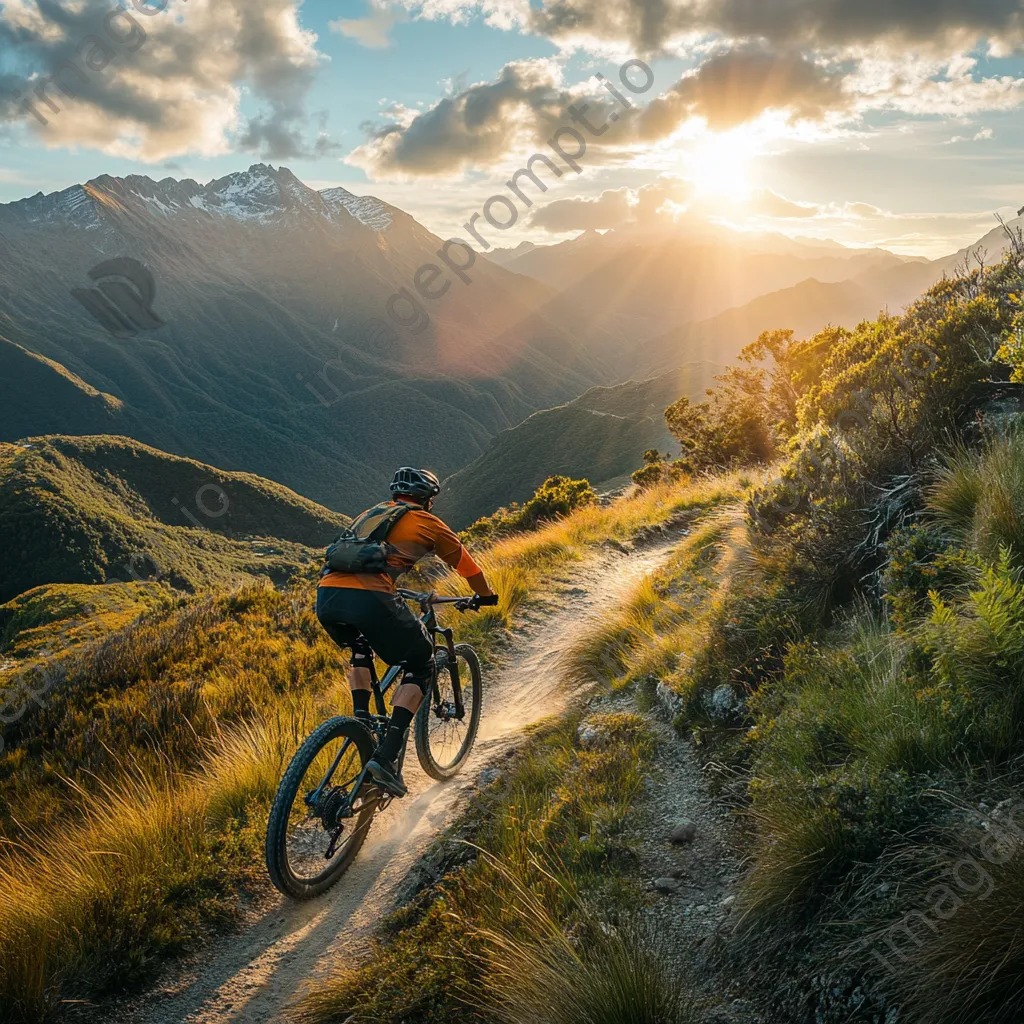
600	436
36	391
104	508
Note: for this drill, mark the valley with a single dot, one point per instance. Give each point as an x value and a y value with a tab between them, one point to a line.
751	677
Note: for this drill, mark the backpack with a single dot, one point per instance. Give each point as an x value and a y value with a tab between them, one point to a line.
362	548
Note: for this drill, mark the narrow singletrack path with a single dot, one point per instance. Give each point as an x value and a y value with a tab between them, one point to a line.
253	975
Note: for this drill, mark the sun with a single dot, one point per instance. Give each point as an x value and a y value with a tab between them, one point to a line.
719	165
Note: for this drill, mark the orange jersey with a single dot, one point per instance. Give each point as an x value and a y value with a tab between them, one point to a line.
416	534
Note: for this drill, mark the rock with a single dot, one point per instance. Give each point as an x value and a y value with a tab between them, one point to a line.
728	902
666	885
702	909
590	736
669	702
723	703
489	775
684	832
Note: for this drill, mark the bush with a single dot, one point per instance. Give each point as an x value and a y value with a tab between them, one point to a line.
921	560
556	498
979	497
656	470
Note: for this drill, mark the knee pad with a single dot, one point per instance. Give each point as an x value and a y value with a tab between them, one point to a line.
362	654
420	679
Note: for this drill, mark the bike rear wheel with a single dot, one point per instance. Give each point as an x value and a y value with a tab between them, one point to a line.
443	740
313	832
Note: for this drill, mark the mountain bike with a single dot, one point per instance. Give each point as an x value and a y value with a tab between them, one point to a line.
326	800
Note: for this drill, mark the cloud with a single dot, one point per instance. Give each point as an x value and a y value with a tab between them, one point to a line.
373	31
770	204
739	85
150	83
651	25
926	87
474	127
615	208
611	209
985	135
529	100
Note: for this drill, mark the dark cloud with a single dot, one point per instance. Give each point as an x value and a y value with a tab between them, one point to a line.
647	25
476	126
159	82
735	87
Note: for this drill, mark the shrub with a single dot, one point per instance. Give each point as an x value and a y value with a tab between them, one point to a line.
656	470
556	498
979	497
921	560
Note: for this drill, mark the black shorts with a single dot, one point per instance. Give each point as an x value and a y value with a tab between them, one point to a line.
385	620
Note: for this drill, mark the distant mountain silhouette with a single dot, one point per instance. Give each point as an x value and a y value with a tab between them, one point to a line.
805	308
602	435
273	295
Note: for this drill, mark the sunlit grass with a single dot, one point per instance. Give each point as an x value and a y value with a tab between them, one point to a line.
661	624
185	720
547	835
153	864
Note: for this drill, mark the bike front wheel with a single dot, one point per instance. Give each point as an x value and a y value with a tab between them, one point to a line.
444	739
315	830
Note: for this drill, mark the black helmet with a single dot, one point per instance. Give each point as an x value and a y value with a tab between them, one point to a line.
417	483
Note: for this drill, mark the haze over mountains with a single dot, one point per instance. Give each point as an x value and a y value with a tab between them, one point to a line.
601	436
267	289
277	356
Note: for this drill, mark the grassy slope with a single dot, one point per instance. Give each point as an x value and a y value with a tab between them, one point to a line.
39	392
598	437
858	667
489	938
79	510
50	618
185	720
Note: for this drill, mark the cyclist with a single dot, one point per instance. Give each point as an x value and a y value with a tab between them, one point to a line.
362	611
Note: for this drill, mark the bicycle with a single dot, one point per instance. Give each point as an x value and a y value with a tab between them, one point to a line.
325	820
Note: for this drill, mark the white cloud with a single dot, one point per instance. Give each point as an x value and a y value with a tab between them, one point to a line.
156	86
373	31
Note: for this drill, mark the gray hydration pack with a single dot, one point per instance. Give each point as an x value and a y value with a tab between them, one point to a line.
362	548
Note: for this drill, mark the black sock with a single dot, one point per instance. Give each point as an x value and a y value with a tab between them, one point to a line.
401	719
361	704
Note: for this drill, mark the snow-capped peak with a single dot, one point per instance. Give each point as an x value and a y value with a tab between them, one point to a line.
261	194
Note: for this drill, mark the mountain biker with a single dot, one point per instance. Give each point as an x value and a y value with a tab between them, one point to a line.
363	612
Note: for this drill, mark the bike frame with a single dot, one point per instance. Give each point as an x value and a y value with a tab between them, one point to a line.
380	688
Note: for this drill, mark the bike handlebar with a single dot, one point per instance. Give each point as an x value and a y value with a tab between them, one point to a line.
463	604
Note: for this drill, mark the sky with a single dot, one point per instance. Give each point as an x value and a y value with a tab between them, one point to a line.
893	123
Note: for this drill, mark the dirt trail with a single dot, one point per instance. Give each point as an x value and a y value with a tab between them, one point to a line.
254	975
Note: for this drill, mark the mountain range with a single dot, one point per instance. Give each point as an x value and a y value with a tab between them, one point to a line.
276	355
272	351
600	436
